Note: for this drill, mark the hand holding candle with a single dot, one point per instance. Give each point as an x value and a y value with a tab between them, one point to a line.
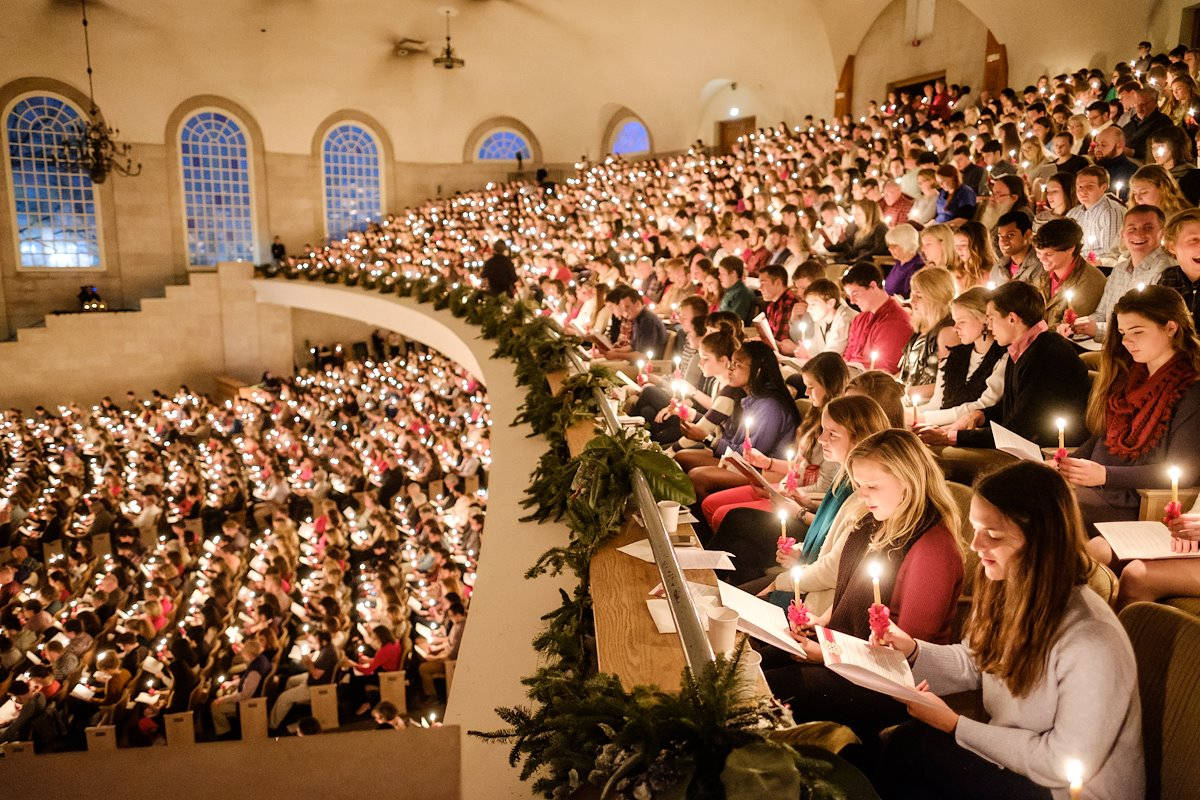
790	483
879	615
1069	316
1061	452
1174	508
798	614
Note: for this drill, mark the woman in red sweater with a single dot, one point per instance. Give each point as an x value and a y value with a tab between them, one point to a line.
909	529
388	658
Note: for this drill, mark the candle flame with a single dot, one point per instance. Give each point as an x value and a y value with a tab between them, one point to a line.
1061	424
1174	473
875	570
1075	772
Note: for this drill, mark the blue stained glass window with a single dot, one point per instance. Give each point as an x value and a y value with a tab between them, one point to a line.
632	137
55	207
215	156
504	145
353	194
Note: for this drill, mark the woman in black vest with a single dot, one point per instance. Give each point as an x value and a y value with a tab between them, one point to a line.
972	376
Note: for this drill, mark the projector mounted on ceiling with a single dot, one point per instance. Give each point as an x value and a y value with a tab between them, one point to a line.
402	48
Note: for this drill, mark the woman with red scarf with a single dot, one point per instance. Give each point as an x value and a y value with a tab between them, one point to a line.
1144	412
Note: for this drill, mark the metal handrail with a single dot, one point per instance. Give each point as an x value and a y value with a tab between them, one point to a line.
697	651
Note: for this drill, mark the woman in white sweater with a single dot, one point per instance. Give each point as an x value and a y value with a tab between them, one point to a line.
1057	672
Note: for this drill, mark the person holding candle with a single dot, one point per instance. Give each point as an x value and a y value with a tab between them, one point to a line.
1070	280
907	528
882	327
1140	265
1098	214
825	377
721	397
971	377
248	685
1144	411
1044	378
933	331
845	422
767	402
1056	668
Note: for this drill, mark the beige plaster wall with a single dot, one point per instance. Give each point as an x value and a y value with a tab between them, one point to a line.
210	327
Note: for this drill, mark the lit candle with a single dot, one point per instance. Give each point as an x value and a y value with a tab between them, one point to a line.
1061	424
797	571
1070	295
916	404
875	570
641	365
991	286
783	518
1075	777
1174	472
678	360
874	358
746	443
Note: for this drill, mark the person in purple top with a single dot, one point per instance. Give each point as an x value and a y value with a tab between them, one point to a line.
904	243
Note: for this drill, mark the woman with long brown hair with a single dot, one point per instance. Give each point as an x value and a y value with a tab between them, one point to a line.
1057	672
1144	410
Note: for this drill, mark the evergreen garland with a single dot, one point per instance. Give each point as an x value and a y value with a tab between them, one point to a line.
583	729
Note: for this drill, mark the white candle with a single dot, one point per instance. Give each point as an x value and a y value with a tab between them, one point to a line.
875	570
1174	472
1061	424
916	403
783	518
797	571
874	358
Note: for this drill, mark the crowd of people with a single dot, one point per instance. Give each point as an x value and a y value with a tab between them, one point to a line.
175	553
859	308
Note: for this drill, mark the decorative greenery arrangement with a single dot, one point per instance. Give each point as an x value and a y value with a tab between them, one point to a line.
583	731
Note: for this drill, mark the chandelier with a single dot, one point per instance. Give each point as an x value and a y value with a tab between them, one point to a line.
447	60
91	146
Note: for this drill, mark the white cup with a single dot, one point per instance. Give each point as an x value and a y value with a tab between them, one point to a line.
750	667
722	629
668	512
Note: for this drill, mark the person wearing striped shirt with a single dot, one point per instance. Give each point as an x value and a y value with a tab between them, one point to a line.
1098	214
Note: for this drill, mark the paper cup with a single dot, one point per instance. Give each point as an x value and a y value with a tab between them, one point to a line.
668	511
750	667
722	629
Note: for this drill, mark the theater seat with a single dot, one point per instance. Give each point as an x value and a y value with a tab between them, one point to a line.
1190	605
1166	642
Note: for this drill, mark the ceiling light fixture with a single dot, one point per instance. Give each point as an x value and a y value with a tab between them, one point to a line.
92	146
447	60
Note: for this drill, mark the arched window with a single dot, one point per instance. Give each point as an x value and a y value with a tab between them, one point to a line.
502	146
56	216
631	138
353	187
215	158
